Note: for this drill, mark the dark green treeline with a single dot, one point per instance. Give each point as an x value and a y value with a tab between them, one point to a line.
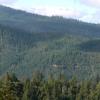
39	88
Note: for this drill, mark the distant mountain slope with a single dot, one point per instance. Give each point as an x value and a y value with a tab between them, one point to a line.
22	53
51	44
42	24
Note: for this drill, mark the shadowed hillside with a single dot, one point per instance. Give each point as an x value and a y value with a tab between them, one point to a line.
91	46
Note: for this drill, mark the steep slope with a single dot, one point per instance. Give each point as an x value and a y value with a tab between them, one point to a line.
51	44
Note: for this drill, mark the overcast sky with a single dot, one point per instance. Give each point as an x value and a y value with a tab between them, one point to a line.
86	10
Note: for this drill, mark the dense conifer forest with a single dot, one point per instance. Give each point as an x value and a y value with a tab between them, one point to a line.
50	44
53	58
41	88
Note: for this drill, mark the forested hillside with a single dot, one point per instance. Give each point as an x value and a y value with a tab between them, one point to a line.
42	24
49	44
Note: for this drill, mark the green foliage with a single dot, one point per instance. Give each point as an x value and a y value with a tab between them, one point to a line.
48	89
59	48
11	88
52	45
22	53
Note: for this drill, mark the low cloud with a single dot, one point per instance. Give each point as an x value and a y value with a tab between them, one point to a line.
65	12
7	2
93	17
92	3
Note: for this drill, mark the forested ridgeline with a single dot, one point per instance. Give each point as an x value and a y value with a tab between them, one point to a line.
41	88
50	44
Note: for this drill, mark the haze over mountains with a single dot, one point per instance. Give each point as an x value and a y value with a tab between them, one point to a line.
51	44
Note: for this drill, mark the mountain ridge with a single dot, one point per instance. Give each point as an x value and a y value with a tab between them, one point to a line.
32	42
42	24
